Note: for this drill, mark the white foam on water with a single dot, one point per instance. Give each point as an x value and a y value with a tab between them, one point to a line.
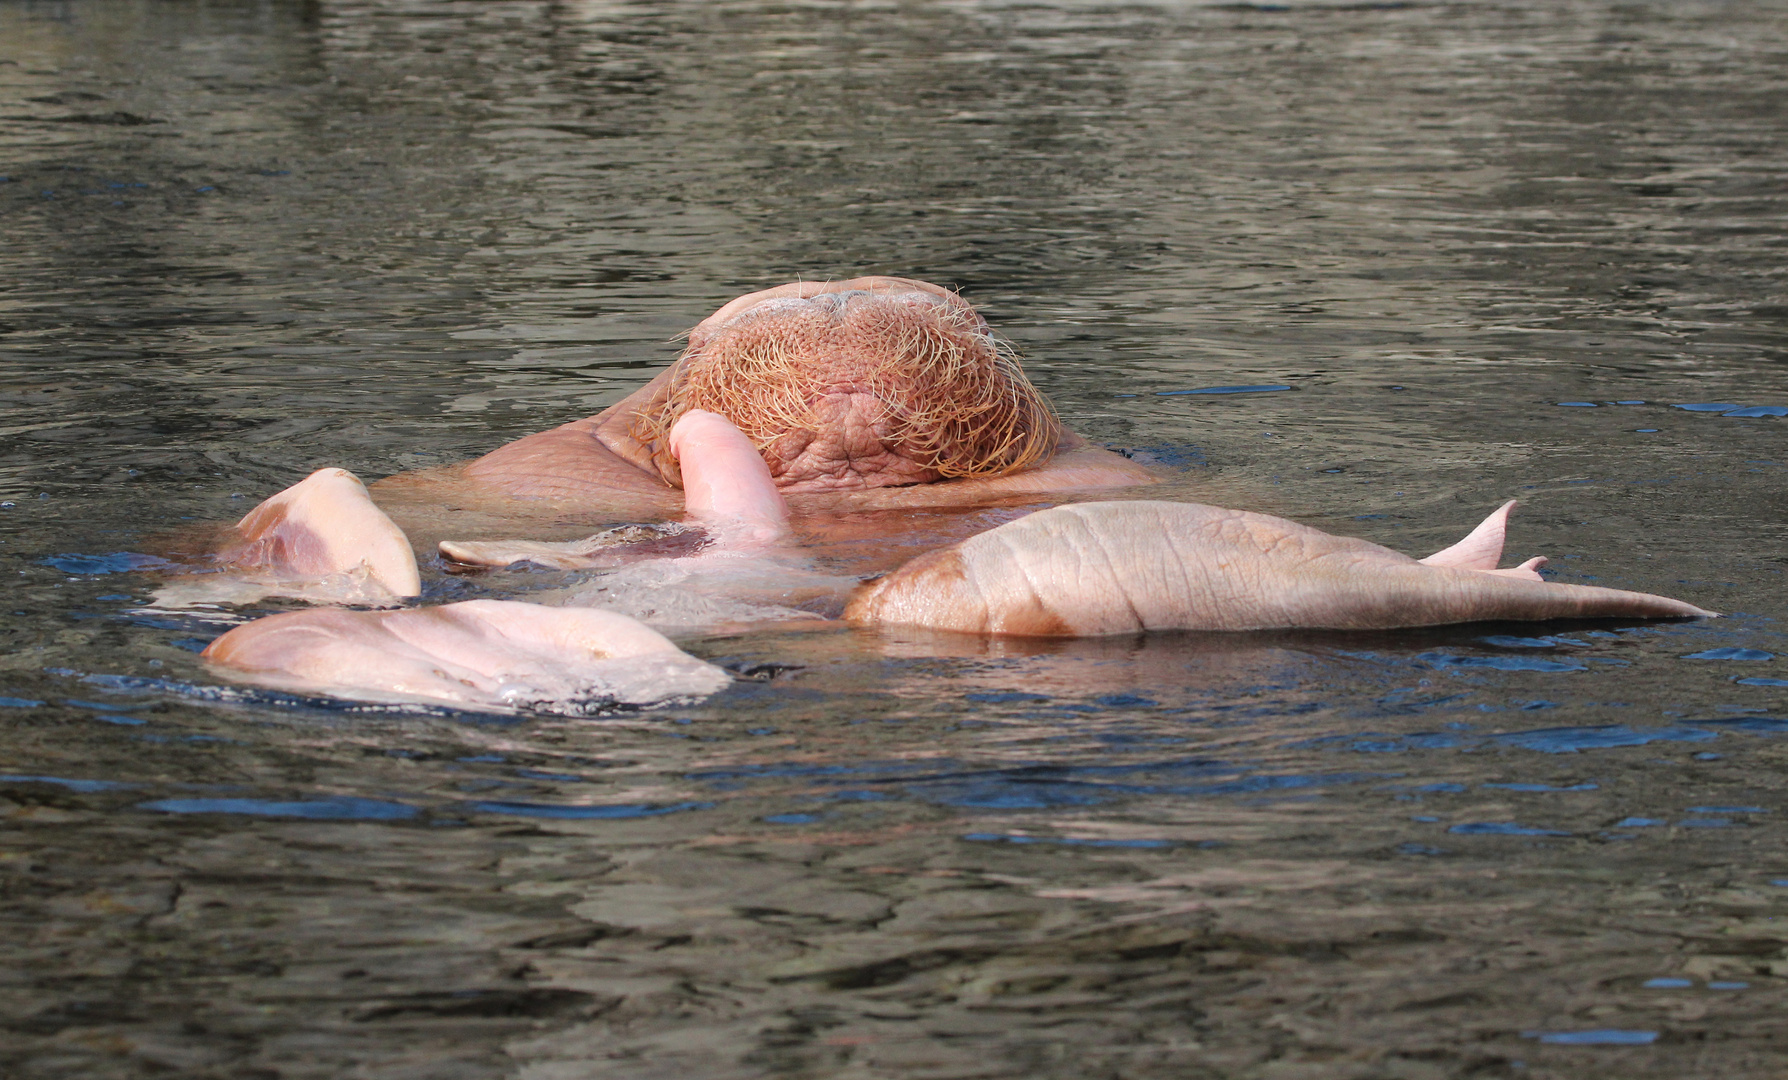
356	587
663	679
715	588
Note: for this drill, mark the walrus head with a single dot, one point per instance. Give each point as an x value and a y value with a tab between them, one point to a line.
874	382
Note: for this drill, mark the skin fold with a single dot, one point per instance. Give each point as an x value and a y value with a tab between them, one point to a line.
815	399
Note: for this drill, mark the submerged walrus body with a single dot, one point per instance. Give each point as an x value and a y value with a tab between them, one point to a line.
877	392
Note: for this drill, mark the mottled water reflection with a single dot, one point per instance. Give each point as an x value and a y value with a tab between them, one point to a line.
246	239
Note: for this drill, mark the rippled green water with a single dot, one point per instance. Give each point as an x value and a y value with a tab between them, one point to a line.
238	241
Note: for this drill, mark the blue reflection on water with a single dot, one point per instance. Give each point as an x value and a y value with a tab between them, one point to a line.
1066	841
535	774
1561	740
72	785
1542	787
1502	828
1445	661
1755	725
1736	410
1265	388
1379	743
586	813
1570	740
1036	786
336	808
1505	641
117	562
1595	1037
99	705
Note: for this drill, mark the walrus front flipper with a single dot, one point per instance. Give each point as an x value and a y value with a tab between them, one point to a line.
1113	568
321	539
324	525
485	654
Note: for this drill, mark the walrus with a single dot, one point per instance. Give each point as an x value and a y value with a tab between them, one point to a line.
871	392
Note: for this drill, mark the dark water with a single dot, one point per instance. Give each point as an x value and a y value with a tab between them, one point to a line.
241	240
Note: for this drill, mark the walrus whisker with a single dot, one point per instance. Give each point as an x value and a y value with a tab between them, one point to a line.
949	395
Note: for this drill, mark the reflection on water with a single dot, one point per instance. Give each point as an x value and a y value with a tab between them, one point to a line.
245	239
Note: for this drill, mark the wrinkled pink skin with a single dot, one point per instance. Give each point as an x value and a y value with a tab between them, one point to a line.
479	653
1090	569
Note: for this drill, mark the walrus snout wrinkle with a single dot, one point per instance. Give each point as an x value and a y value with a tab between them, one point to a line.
1122	567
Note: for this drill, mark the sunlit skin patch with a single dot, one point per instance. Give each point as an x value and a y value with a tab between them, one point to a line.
860	389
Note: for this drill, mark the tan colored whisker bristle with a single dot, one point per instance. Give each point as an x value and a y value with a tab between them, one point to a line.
950	396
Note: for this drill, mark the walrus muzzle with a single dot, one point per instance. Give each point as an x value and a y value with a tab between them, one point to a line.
859	389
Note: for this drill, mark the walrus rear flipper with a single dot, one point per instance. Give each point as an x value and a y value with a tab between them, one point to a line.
1122	567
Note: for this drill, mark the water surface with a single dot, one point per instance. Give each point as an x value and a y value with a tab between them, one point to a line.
1493	250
